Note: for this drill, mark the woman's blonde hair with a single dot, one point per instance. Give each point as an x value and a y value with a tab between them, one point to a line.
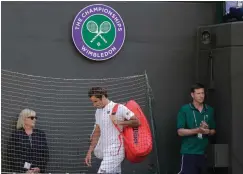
22	115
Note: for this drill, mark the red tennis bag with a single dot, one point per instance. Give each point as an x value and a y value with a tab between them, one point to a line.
138	142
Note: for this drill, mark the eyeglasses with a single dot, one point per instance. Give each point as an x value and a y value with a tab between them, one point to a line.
32	117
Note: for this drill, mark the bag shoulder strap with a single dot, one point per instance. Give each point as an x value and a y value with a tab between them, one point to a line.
114	111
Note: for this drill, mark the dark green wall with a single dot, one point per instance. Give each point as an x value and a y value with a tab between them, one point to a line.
160	38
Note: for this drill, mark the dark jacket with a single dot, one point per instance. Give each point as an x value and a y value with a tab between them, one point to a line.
23	148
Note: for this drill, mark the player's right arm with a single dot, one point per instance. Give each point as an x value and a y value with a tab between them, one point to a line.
94	140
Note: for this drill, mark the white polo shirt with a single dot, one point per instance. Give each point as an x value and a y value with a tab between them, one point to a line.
109	134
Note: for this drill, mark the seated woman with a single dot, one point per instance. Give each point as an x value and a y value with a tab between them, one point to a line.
27	150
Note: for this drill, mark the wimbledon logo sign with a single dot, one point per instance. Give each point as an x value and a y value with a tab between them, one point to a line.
98	32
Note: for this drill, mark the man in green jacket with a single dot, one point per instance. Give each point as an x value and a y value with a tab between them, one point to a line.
195	123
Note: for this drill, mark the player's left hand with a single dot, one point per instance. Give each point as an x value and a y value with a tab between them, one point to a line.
114	119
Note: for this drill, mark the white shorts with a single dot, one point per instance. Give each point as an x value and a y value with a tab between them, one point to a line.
112	160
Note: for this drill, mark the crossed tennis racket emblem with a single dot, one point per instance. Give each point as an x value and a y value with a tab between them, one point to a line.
104	28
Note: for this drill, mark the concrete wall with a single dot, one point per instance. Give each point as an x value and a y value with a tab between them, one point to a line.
236	88
227	51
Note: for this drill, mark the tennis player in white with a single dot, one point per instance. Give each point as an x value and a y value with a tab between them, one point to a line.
111	147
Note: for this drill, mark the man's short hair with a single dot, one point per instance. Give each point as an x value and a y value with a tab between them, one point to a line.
197	86
98	92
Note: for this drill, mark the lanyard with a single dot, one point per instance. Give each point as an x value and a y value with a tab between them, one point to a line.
195	118
30	139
